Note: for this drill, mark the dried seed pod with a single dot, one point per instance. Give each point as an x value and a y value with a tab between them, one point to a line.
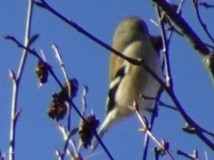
73	84
86	128
58	108
42	71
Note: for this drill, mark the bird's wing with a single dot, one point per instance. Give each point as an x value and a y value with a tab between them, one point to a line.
116	63
119	75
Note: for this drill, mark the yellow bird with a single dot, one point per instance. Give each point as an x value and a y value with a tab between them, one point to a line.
129	81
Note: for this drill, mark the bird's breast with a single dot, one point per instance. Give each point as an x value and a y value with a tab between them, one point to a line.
132	87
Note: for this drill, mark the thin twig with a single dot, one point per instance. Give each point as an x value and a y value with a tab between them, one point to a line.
62	66
34	53
73	24
206	5
84	106
165	42
149	133
84	103
193	156
94	131
66	136
167	70
195	2
16	82
198	45
152	121
67	139
186	117
183	27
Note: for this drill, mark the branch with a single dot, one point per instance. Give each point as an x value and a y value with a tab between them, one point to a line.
195	2
67	138
206	5
34	53
193	156
62	66
16	81
183	27
198	129
93	131
146	129
43	4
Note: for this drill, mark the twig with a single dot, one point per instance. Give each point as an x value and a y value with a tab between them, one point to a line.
146	138
34	53
66	137
94	131
167	70
170	92
16	81
62	129
206	5
193	156
43	4
148	132
183	26
166	41
84	106
199	46
195	2
169	81
2	157
62	66
159	102
84	103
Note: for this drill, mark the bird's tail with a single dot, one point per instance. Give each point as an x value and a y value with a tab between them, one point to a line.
104	127
97	139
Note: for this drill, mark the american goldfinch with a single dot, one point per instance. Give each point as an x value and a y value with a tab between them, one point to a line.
129	81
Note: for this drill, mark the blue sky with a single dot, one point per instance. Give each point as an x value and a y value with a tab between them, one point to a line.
37	136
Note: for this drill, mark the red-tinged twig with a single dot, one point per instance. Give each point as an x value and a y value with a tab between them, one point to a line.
145	129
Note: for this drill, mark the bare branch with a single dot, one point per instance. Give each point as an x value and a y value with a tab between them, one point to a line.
206	5
146	130
16	82
62	66
195	2
34	53
183	27
43	4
